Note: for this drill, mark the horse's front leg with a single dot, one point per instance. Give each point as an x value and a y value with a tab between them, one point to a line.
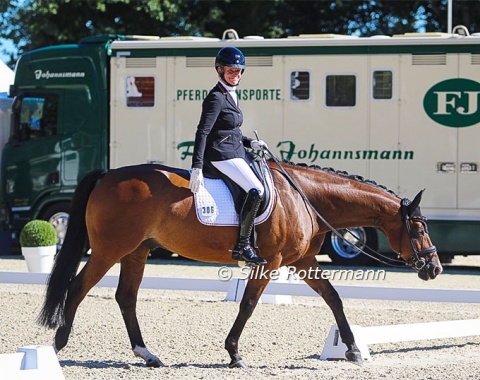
132	268
254	289
325	289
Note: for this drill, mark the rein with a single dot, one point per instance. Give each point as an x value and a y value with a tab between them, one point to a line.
417	261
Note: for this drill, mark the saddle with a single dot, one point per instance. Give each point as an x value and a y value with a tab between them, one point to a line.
238	194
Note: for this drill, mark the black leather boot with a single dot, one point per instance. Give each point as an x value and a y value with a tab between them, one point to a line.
243	251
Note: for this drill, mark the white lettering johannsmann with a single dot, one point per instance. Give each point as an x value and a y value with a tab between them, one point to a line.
39	74
313	273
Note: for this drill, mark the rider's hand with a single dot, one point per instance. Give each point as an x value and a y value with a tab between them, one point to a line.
258	144
196	180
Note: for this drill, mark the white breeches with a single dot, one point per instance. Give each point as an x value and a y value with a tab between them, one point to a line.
238	171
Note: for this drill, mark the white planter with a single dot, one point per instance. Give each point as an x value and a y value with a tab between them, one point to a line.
39	259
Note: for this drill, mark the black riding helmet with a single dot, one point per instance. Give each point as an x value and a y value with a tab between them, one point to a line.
231	57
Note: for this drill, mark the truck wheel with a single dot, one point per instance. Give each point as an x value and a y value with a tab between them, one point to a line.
341	253
57	215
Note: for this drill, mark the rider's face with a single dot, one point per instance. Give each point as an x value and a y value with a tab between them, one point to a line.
232	75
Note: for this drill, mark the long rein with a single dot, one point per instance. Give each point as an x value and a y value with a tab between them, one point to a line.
334	231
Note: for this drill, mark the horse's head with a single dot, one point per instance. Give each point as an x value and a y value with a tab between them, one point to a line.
415	246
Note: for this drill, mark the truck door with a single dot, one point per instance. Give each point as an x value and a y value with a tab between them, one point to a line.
33	155
325	115
383	120
137	111
190	80
469	136
433	147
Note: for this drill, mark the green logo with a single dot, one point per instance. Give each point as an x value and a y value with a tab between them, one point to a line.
454	103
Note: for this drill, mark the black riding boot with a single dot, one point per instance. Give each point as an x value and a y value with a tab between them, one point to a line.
243	251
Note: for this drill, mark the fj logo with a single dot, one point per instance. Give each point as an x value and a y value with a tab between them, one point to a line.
447	102
454	103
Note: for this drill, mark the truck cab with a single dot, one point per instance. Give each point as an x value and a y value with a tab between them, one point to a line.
58	131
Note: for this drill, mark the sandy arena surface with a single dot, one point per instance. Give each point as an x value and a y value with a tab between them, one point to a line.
187	329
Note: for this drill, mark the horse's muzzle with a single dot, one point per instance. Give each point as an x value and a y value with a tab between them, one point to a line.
431	269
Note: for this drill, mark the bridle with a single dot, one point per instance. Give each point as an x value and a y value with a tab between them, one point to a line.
417	261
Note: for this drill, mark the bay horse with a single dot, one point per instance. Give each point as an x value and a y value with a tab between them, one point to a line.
124	213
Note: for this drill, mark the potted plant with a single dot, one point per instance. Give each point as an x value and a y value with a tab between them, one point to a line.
38	240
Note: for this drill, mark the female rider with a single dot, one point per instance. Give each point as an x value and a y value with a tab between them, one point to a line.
219	141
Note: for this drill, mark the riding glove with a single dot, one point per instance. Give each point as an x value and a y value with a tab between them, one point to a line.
258	144
196	180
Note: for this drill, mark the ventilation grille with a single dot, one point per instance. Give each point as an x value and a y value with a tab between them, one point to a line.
475	59
141	63
429	59
200	62
260	61
210	62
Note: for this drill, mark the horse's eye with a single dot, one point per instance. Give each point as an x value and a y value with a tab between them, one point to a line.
419	233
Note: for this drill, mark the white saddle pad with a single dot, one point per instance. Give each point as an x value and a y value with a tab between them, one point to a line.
214	203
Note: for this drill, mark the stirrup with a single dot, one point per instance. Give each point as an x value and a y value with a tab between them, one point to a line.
247	254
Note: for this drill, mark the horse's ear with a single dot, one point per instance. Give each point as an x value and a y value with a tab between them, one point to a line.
415	203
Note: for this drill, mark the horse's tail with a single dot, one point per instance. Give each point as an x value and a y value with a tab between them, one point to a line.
70	255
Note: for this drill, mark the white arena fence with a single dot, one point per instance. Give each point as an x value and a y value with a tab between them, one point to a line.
281	291
275	287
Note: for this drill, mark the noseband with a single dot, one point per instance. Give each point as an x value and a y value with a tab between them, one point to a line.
417	261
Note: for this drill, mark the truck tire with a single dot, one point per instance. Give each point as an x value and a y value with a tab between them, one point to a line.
341	253
57	215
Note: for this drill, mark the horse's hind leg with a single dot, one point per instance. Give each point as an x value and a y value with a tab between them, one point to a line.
132	267
325	289
91	273
254	289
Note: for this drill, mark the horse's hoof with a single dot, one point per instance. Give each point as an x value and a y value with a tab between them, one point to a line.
157	363
354	356
237	364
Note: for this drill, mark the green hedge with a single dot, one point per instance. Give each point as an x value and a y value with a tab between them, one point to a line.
38	233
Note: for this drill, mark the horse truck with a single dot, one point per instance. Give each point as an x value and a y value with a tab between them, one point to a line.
402	110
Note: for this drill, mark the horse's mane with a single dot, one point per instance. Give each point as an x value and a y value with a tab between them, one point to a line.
341	173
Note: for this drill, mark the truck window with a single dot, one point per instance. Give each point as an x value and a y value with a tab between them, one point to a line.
299	85
140	91
35	117
340	90
382	84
